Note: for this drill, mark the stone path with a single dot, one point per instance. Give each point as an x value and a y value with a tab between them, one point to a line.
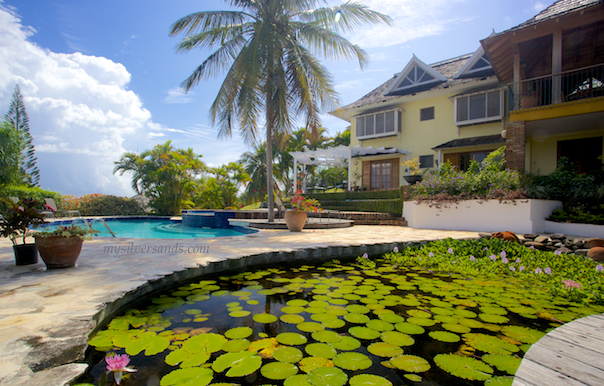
46	316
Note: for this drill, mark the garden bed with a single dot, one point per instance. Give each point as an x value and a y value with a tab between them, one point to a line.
519	216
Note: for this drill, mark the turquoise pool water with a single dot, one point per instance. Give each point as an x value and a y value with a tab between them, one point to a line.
158	229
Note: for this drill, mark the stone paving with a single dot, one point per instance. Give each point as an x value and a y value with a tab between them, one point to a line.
46	316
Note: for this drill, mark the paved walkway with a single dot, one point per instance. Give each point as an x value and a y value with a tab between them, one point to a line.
46	316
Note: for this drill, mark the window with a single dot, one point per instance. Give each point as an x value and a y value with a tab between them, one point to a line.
480	107
382	174
583	153
462	160
426	114
380	124
426	161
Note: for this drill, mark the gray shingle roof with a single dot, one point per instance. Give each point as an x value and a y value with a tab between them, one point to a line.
447	68
474	141
559	8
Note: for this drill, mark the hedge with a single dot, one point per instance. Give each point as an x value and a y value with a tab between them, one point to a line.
392	206
361	195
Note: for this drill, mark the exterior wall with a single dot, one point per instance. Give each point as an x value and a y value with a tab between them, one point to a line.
515	142
543	151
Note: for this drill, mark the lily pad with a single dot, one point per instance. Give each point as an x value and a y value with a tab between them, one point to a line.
310	363
297	380
327	336
490	344
410	363
310	327
291	338
391	317
357	309
409	328
240	364
444	336
287	354
499	381
383	349
264	318
187	359
327	376
292	318
239	314
369	380
456	328
348	343
333	323
278	370
192	376
364	333
379	325
352	361
356	318
464	367
413	377
491	318
522	334
320	350
397	338
421	321
507	363
239	332
236	345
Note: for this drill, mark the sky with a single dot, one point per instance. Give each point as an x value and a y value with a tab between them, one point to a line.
101	78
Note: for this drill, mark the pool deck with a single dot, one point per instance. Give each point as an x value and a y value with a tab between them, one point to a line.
46	316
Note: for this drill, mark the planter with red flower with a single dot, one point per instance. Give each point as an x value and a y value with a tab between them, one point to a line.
61	247
18	221
295	219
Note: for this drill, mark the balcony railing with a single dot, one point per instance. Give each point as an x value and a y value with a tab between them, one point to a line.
569	86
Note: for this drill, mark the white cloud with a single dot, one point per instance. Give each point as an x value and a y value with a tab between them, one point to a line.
412	20
81	113
178	96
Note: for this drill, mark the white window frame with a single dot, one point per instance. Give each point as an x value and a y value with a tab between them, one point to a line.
485	119
397	124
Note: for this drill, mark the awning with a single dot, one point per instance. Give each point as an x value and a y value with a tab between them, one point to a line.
472	141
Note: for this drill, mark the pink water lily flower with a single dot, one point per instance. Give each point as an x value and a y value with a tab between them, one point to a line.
568	284
118	364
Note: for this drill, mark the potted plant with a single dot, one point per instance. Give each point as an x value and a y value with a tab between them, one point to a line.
412	166
295	219
529	99
18	222
61	247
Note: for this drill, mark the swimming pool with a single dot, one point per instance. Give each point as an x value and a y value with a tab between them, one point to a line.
156	228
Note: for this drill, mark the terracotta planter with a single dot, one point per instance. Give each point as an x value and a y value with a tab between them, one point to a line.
25	254
529	101
58	251
295	221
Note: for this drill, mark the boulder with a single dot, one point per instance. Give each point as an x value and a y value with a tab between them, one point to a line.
581	252
596	253
594	242
534	244
557	236
541	239
530	236
485	235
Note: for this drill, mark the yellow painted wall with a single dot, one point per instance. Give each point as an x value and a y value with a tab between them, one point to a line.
542	151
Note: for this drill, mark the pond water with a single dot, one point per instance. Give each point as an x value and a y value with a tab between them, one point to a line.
335	324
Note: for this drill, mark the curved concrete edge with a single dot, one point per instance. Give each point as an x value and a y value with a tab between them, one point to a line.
73	350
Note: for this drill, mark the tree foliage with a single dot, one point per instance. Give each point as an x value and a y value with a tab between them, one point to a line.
220	189
164	174
266	49
17	116
11	145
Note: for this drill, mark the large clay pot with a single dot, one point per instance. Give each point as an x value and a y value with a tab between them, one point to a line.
529	101
25	254
295	221
59	251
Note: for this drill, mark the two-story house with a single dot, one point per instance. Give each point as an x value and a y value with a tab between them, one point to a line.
452	110
553	65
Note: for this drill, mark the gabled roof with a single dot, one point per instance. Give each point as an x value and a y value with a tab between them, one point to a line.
559	8
478	64
416	76
447	68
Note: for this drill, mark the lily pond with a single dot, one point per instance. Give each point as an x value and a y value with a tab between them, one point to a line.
388	321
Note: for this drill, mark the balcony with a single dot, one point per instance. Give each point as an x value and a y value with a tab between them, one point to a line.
567	88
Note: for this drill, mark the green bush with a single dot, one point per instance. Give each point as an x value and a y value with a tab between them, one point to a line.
394	207
22	191
487	180
579	215
105	205
362	195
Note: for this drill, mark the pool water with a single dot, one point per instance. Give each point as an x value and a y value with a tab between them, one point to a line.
158	229
386	326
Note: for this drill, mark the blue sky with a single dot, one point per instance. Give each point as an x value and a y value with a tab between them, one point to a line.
102	77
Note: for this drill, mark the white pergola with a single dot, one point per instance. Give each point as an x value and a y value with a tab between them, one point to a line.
340	156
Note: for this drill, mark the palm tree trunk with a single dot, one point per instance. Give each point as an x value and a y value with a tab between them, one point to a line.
269	159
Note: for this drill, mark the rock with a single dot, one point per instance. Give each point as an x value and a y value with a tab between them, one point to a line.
550	248
485	235
578	243
530	236
558	245
541	239
594	242
507	236
596	253
557	236
564	250
529	244
581	252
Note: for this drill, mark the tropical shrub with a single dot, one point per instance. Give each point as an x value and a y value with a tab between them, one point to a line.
35	193
106	205
579	214
488	180
571	276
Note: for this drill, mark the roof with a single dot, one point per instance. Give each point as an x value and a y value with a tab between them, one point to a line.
559	8
473	141
448	68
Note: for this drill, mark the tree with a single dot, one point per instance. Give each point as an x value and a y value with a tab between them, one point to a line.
164	174
267	49
220	190
17	116
11	146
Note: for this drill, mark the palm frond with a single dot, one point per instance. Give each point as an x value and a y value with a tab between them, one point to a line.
207	21
352	15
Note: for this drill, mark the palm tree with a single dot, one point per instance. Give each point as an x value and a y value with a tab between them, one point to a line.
266	48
